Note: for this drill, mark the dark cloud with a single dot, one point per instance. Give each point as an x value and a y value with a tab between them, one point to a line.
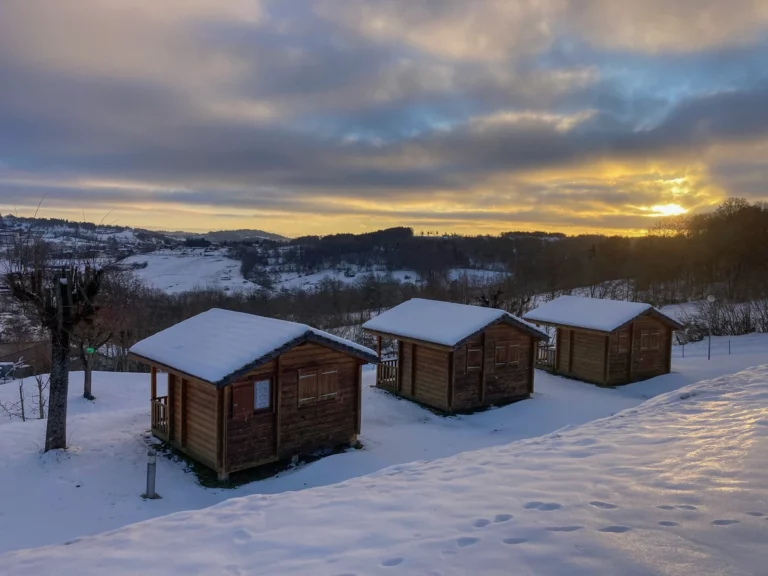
337	108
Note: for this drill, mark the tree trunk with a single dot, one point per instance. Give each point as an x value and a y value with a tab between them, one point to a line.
56	431
87	379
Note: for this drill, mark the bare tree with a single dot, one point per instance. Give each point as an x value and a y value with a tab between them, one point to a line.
61	295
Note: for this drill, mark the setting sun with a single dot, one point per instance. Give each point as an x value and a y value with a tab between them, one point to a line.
668	210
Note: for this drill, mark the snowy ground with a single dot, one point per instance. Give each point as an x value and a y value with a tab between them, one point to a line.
676	486
291	280
95	486
177	271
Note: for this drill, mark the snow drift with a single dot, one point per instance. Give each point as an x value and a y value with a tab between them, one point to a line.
676	486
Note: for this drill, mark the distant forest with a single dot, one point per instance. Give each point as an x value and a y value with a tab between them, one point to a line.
680	259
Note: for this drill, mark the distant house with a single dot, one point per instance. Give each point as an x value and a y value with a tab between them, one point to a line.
245	390
607	342
455	357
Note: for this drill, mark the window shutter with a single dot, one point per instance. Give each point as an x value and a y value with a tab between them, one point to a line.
655	341
644	339
307	387
501	353
513	355
474	358
242	400
329	383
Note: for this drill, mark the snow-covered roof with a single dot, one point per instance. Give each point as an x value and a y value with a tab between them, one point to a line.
443	323
219	343
593	313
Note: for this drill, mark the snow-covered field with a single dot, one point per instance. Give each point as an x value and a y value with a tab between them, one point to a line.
677	485
177	271
290	280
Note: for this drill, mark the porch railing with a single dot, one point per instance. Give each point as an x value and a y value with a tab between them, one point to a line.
545	357
160	415
386	373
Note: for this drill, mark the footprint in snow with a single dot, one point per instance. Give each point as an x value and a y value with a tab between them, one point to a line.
687	507
501	518
756	514
563	528
724	522
390	562
543	506
466	541
665	507
514	541
668	523
481	523
615	529
603	505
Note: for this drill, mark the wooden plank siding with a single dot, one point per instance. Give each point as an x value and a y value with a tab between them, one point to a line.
650	362
440	378
325	423
505	384
431	377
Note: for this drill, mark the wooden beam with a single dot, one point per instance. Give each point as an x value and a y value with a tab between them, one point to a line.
482	370
378	346
278	404
558	348
450	380
171	407
607	359
571	346
153	382
424	343
399	383
532	362
359	386
220	423
413	369
668	350
631	351
183	412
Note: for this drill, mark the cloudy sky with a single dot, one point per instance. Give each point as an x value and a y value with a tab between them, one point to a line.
322	116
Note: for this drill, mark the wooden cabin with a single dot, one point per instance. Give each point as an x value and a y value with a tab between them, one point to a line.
455	357
246	390
606	342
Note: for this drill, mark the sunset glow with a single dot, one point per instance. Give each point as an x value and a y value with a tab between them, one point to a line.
354	115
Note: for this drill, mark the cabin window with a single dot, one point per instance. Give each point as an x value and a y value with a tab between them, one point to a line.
262	395
654	341
474	358
645	339
507	354
318	385
623	345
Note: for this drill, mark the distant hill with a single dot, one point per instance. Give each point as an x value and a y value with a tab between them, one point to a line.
231	235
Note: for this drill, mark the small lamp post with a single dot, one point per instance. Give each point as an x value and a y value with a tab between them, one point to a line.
711	300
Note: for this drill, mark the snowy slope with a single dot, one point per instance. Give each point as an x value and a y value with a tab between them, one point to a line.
676	486
177	271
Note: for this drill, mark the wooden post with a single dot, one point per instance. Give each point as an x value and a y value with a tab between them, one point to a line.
220	423
557	350
399	384
183	412
278	404
631	351
359	386
607	359
450	381
153	382
532	362
378	346
413	369
379	367
668	350
571	346
482	369
170	409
